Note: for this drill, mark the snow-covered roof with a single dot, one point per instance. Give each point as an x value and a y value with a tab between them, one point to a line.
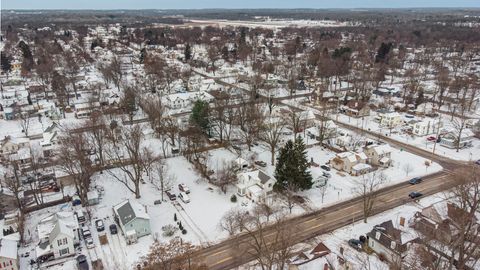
61	227
381	149
361	166
46	226
8	248
128	210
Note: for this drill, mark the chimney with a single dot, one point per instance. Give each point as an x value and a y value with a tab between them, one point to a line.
402	221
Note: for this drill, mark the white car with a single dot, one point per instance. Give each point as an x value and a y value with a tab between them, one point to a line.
89	242
184	197
184	188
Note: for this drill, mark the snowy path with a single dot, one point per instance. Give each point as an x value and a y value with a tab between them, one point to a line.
202	237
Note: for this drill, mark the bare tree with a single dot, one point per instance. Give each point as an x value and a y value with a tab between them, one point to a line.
225	176
25	121
407	168
176	254
366	188
271	134
74	159
163	181
130	158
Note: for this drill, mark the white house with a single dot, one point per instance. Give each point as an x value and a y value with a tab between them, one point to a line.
186	99
426	127
379	155
451	138
390	119
351	162
255	185
8	254
58	234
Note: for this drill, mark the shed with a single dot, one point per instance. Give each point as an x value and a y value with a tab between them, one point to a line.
93	197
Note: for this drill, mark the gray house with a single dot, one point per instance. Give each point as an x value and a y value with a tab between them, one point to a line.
133	219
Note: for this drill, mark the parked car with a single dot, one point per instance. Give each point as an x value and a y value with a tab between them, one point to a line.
325	167
157	202
477	162
80	217
431	138
414	181
414	194
82	262
171	195
184	197
86	233
99	225
184	188
355	243
326	174
260	163
89	242
113	229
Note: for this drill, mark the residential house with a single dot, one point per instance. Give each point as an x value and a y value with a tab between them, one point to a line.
9	254
83	110
185	100
357	108
255	185
133	219
50	139
321	250
439	221
58	234
306	119
10	145
390	119
379	155
426	127
351	162
391	239
451	139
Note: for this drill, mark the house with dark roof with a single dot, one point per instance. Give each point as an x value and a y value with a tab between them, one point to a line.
255	185
391	239
356	108
319	251
133	219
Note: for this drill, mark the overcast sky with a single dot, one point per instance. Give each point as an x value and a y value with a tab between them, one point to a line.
196	4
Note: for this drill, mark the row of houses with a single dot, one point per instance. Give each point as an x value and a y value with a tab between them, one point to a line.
362	162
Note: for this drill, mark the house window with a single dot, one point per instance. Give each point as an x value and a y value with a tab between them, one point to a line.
64	251
59	242
377	235
65	241
393	245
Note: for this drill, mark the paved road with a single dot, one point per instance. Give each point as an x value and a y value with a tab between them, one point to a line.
233	253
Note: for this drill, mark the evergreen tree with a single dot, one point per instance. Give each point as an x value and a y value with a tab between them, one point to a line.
188	52
292	166
199	116
5	62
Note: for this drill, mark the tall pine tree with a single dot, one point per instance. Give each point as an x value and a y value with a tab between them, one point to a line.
292	166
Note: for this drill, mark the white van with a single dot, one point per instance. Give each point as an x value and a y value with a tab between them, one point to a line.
184	197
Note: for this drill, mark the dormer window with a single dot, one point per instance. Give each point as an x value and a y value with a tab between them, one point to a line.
377	235
393	245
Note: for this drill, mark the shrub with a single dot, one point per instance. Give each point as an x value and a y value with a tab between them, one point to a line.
233	199
175	217
184	231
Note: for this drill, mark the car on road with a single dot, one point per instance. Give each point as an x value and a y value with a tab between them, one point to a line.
113	229
355	243
89	242
261	163
99	225
184	188
415	180
82	262
325	167
184	197
414	194
171	195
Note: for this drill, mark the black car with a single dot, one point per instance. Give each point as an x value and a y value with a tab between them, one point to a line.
416	180
99	225
356	244
82	262
113	229
414	194
325	167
